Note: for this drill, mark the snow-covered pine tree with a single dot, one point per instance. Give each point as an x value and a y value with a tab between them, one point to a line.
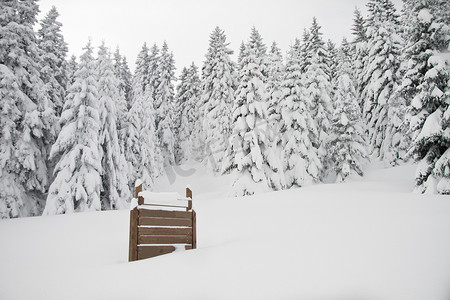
127	78
359	27
333	63
55	68
140	77
273	87
72	67
382	112
240	56
114	175
187	115
261	51
318	90
426	82
133	143
360	53
141	144
142	119
54	51
275	76
27	115
301	163
347	144
122	74
154	69
133	131
163	103
197	139
303	48
245	155
117	63
218	85
77	183
179	105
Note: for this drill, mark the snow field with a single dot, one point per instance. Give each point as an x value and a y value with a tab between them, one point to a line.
367	239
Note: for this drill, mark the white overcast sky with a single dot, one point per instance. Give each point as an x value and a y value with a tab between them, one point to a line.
186	25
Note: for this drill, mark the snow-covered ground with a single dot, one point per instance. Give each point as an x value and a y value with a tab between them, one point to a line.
369	239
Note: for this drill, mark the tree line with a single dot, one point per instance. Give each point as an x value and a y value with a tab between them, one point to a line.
76	133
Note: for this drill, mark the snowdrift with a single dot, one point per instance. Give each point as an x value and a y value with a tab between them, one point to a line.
368	239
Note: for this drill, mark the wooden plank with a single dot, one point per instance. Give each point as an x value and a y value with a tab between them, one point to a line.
165	222
162	239
152	251
133	251
164	205
188	247
194	230
165	214
164	231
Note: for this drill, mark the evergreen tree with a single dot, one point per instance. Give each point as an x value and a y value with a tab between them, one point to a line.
318	90
275	73
260	51
179	106
303	48
332	62
248	142
123	74
315	38
217	98
347	145
55	68
188	115
117	63
140	78
114	167
240	56
54	51
382	111
122	100
133	131
360	53
27	115
72	67
154	76
141	142
133	143
126	79
163	104
77	184
359	27
275	76
195	118
300	161
426	82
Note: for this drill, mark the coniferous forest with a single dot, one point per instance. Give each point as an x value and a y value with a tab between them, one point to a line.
77	132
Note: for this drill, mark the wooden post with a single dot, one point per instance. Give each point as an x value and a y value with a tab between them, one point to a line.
140	198
194	230
138	190
189	195
133	250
